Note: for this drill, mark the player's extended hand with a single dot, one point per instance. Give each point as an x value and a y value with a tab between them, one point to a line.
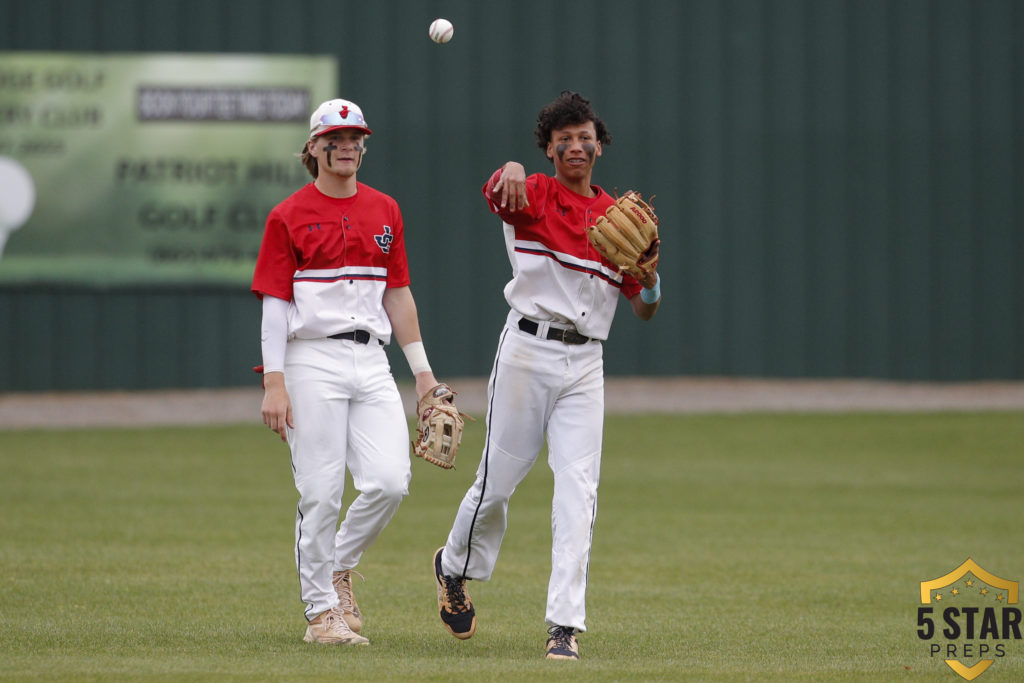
651	277
510	190
425	381
277	406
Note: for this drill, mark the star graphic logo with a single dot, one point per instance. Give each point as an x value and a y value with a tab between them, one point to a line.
976	622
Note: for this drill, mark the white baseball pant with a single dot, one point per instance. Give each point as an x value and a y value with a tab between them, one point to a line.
537	387
347	413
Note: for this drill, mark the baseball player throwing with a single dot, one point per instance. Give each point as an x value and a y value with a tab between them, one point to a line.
548	376
334	280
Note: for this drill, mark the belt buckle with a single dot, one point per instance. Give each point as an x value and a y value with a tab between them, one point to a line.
562	334
362	337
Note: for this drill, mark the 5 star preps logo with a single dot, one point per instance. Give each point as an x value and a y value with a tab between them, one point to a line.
968	618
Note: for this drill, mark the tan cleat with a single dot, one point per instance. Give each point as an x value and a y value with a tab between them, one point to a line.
562	643
453	603
347	599
330	628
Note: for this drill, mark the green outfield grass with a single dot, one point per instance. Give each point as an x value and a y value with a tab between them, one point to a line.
750	547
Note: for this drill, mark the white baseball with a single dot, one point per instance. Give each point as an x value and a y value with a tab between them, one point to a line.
441	31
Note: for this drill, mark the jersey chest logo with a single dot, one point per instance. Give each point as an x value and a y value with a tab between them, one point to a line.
384	241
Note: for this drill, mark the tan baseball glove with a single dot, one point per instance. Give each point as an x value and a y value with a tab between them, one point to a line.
627	235
440	426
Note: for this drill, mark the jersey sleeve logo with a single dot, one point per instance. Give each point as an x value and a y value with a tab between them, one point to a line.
384	241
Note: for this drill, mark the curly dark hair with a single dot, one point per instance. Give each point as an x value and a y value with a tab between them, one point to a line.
568	109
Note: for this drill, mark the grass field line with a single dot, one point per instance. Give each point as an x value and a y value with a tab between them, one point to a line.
623	395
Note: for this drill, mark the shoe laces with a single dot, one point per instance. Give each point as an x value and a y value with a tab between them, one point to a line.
343	586
563	636
455	588
335	621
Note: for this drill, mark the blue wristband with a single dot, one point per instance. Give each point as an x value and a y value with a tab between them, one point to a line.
650	296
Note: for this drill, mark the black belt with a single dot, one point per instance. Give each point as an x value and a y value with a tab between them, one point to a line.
565	336
358	336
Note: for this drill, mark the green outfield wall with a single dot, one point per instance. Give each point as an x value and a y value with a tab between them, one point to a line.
840	182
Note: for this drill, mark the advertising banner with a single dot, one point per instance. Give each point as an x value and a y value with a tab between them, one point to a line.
150	167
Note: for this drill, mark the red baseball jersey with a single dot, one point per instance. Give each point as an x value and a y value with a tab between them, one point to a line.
332	259
557	275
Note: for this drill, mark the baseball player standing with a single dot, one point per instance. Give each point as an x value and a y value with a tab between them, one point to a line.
548	374
334	280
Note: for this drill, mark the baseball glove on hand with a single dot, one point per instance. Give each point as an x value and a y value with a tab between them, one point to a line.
440	427
627	235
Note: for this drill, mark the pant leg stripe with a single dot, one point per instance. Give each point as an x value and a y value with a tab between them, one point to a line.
487	449
298	557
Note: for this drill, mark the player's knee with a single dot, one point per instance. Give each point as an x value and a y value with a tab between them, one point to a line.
395	493
313	493
392	488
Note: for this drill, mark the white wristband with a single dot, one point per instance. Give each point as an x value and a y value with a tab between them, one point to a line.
416	356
